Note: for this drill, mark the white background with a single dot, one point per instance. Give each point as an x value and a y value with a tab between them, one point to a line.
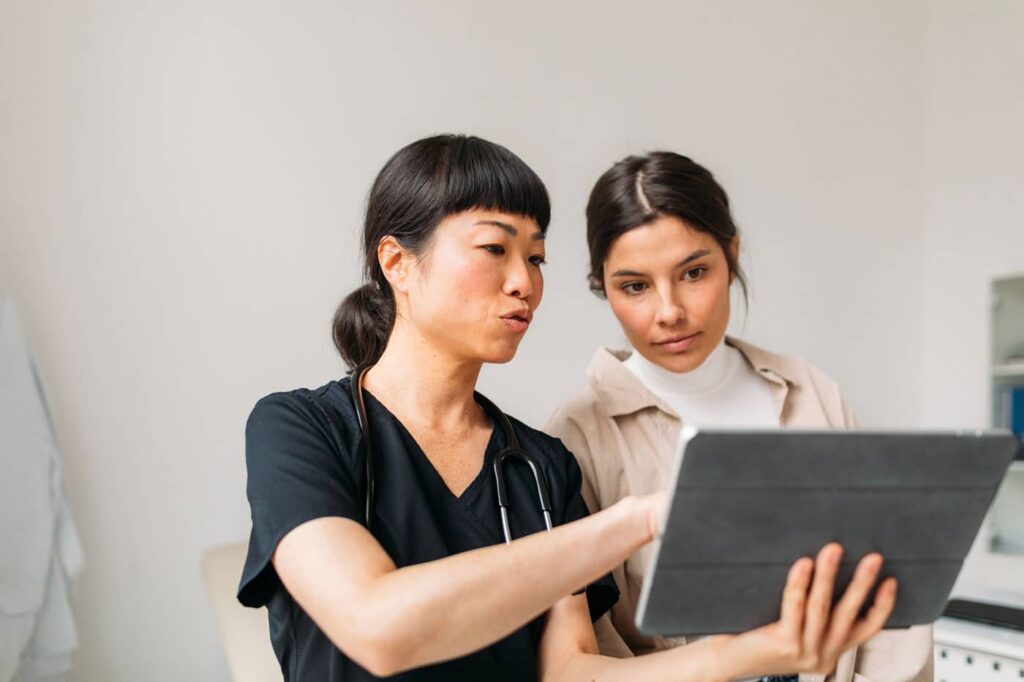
181	186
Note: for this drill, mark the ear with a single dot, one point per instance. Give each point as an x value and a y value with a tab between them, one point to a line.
734	255
395	262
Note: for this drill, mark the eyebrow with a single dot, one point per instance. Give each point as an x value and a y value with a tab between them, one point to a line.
689	259
539	234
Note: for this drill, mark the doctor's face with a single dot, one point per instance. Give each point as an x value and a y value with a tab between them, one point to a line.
478	284
668	285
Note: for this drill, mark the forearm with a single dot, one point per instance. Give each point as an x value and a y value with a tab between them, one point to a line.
453	606
703	661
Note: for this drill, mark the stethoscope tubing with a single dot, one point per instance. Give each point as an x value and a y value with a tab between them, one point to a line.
512	451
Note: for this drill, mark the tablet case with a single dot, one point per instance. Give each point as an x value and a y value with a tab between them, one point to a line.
747	504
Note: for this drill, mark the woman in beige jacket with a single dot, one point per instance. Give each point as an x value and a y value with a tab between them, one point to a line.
664	252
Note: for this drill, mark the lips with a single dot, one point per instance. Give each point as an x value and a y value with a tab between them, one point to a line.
677	344
523	315
518	320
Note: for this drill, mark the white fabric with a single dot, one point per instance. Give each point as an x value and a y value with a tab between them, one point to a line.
47	654
15	632
724	391
41	547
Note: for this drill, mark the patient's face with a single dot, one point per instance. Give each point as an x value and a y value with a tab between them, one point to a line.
668	285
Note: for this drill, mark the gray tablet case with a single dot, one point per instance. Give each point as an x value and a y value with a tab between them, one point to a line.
747	504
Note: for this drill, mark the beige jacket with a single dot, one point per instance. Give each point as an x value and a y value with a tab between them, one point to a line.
624	438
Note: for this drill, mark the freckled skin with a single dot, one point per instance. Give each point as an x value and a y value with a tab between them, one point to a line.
472	273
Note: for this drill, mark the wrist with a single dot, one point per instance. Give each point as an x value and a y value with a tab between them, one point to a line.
722	664
633	515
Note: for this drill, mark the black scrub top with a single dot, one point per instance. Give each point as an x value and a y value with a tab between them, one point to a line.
303	460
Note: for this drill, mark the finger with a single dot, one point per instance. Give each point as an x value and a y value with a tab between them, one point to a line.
794	597
845	613
659	513
877	615
819	601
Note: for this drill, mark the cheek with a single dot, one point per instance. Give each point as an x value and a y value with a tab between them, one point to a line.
633	315
456	278
711	308
476	279
538	288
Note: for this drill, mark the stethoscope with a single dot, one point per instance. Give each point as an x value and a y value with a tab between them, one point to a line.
512	451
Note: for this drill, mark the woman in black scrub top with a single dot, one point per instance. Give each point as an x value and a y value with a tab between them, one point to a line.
454	243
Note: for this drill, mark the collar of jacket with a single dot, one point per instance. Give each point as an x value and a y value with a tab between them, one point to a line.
622	393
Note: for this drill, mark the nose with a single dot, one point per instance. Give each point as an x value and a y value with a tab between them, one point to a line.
670	309
517	280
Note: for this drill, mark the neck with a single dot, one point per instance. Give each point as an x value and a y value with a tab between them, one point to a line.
709	376
423	384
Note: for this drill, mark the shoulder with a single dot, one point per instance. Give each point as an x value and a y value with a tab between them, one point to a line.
313	405
593	436
807	383
550	452
590	420
303	420
538	442
793	369
579	415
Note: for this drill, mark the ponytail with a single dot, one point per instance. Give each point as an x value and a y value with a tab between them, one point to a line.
362	324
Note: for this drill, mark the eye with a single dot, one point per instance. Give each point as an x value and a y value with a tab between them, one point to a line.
537	260
496	249
693	274
633	288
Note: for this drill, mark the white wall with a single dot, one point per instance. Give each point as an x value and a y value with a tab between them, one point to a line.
180	194
975	190
974	222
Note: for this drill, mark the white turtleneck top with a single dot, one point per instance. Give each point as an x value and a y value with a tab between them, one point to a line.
724	391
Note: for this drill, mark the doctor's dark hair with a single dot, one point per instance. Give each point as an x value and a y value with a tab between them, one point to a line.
421	185
638	190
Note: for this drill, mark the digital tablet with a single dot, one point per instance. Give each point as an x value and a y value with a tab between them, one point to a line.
747	504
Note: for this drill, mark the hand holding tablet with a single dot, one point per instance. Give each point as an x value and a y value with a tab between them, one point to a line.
746	504
811	633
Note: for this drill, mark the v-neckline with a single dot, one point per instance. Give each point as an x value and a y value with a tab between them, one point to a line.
486	458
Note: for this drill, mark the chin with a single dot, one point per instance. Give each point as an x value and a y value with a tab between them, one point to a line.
502	358
500	355
680	362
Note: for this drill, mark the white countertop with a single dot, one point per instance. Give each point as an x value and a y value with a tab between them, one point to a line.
980	637
993	578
